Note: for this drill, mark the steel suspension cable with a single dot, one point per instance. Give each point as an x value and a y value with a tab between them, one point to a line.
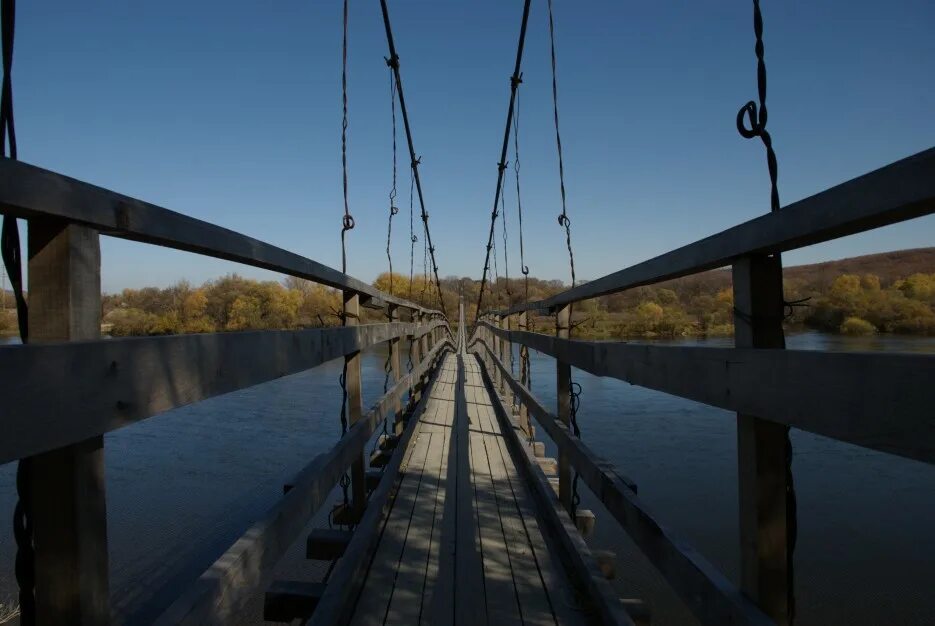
393	62
525	372
387	366
393	208
506	258
412	235
515	80
757	118
565	221
346	225
24	568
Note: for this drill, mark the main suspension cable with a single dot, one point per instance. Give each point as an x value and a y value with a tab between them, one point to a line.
393	62
515	80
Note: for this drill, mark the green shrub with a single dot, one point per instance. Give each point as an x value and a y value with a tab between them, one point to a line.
857	326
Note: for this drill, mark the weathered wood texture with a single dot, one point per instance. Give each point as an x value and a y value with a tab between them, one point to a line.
221	591
563	405
66	486
876	400
897	192
763	449
354	401
31	192
337	602
462	543
107	384
711	597
605	603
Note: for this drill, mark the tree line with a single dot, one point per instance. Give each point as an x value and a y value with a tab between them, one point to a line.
895	299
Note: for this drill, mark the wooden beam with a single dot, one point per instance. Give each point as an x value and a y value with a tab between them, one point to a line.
66	486
221	592
395	365
767	510
28	192
289	600
563	406
710	596
103	385
895	193
877	400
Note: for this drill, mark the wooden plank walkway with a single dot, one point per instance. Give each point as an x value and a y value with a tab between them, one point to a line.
462	543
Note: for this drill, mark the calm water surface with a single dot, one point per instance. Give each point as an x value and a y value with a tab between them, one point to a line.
183	485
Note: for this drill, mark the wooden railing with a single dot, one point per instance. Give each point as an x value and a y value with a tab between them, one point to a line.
879	401
67	387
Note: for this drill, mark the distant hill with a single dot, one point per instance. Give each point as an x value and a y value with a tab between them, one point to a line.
888	266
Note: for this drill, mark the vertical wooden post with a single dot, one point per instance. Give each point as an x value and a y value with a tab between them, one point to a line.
766	517
393	315
523	355
506	355
563	396
355	403
494	343
418	353
66	486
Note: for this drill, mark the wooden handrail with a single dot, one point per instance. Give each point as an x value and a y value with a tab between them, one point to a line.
875	400
897	192
27	191
58	394
711	597
223	589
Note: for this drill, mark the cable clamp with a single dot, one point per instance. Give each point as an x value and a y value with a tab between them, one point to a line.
392	61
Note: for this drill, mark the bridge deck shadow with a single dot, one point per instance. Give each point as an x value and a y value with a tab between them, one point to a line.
462	543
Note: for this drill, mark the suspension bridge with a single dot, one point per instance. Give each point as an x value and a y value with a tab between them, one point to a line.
442	506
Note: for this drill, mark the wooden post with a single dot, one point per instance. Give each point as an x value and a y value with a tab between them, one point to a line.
506	355
418	352
494	343
765	480
523	355
563	396
355	403
66	486
393	314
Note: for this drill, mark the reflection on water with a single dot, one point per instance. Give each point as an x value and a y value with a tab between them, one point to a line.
182	486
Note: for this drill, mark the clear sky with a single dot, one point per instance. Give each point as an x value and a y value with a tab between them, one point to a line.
231	111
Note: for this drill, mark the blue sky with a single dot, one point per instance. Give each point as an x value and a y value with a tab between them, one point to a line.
230	112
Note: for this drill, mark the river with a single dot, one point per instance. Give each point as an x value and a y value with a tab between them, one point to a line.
183	485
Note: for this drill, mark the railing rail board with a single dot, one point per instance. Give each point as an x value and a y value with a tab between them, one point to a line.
711	597
222	590
27	191
58	394
897	192
875	400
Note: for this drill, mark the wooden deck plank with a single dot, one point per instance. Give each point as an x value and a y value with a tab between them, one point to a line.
458	589
379	586
472	551
431	571
528	553
500	591
422	542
